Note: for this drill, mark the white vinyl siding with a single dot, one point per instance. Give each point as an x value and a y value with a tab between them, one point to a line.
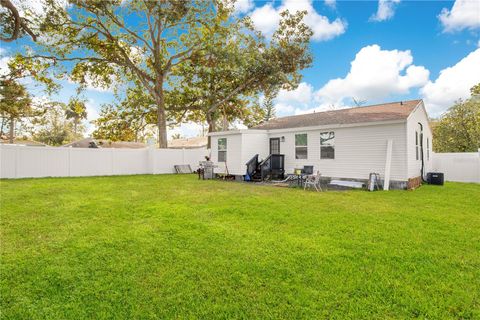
358	151
241	147
428	149
254	143
413	165
234	148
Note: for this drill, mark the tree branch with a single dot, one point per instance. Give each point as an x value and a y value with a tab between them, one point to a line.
19	23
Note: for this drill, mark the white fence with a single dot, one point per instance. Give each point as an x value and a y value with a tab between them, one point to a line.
461	167
26	162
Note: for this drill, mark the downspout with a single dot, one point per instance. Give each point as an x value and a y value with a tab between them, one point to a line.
421	152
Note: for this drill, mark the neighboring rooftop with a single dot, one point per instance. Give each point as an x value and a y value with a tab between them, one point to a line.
24	142
188	143
373	113
101	143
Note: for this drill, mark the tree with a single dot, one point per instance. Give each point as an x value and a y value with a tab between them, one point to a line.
236	65
132	119
458	130
140	41
13	26
268	106
15	104
52	127
77	111
475	90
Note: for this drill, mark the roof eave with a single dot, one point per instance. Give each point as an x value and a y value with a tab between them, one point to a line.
335	126
232	132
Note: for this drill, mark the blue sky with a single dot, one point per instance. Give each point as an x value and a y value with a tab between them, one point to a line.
375	51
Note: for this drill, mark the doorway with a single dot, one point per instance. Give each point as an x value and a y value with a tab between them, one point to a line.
274	145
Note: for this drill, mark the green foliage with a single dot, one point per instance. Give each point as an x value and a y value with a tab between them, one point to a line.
174	247
222	84
15	100
133	119
268	105
53	127
15	104
12	24
458	130
77	111
101	45
475	90
215	63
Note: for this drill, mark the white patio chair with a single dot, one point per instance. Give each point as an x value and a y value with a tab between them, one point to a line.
313	181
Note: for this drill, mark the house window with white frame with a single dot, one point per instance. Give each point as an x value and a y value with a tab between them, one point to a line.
327	145
222	150
301	149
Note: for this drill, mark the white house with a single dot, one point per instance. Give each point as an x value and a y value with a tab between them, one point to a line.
392	139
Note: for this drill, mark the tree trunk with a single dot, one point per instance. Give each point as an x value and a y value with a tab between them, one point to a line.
162	128
161	118
211	128
12	129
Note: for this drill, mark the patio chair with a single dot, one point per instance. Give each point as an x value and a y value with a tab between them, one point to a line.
313	181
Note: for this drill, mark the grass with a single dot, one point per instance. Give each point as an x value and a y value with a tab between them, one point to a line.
175	247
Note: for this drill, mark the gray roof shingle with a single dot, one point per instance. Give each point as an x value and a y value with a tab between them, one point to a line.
374	113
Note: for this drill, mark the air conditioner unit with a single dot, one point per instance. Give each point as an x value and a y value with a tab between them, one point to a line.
435	178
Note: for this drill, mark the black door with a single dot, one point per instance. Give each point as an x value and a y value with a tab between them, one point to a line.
274	145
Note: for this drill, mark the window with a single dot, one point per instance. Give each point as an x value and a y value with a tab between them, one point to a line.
222	150
416	144
301	146
327	145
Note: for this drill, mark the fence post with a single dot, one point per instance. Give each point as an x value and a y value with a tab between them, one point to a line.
16	161
478	166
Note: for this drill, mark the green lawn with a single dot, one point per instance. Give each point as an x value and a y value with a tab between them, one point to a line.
175	247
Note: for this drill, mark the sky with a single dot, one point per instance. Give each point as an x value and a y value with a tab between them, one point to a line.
372	51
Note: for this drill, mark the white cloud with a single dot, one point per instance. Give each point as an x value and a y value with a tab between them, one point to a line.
452	84
385	11
302	94
465	14
287	101
331	3
92	114
283	109
2	51
187	130
319	108
267	17
243	6
4	70
375	74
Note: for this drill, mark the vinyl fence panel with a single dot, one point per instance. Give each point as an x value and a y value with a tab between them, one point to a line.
460	167
29	162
